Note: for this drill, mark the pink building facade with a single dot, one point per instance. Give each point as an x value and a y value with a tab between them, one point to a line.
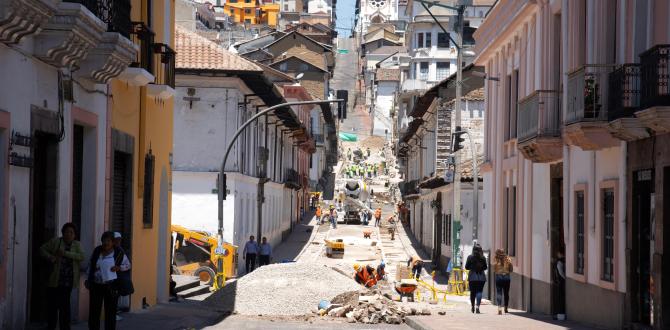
576	105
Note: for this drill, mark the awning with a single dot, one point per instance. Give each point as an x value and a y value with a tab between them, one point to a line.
348	137
267	91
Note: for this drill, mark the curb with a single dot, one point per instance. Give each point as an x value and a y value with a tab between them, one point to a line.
415	324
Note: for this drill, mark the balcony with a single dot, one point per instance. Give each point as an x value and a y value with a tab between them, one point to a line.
539	126
410	85
292	179
140	71
20	18
586	121
655	92
624	101
164	70
69	35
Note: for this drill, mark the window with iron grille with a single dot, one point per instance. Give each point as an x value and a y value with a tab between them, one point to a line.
429	41
579	232
423	71
442	40
446	223
148	196
608	235
419	40
442	70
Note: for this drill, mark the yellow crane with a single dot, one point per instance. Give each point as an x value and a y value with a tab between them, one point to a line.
194	253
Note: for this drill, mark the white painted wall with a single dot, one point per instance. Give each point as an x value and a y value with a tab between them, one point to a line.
383	105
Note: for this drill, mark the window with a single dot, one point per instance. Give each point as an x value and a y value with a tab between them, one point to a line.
247	1
304	67
283	67
512	91
247	21
285	7
511	249
232	1
579	232
148	197
446	224
423	71
419	40
442	70
442	40
247	11
608	235
429	37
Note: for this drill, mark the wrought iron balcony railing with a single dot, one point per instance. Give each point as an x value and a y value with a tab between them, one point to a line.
115	13
143	37
164	64
588	93
624	91
539	115
655	75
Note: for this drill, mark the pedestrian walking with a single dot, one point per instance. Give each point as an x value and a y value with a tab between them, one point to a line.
502	269
368	151
106	263
378	216
265	253
391	226
64	255
476	264
349	154
249	254
125	280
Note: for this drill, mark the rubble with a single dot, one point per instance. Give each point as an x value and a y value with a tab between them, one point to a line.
370	307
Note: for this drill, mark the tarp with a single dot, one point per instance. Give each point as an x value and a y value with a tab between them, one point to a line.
348	137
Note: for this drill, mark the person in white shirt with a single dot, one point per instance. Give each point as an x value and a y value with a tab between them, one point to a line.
106	261
266	253
249	254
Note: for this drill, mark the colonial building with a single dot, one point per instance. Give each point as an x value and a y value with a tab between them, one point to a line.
85	121
573	167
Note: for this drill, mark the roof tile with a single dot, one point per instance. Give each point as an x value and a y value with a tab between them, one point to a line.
197	52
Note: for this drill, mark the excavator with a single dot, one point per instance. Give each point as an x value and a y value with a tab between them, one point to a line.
194	253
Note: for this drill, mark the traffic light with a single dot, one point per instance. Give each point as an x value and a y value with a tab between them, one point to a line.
457	140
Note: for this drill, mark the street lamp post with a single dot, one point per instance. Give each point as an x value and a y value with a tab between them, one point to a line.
221	185
456	218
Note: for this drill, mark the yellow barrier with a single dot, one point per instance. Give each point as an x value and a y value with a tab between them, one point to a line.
457	285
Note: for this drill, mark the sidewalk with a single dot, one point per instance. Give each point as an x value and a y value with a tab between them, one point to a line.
173	315
459	316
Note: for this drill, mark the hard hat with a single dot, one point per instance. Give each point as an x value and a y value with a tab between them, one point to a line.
383	264
357	267
332	206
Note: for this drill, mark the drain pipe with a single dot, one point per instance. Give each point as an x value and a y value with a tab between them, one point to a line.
13	244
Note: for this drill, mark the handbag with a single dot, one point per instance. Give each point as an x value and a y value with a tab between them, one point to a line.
123	284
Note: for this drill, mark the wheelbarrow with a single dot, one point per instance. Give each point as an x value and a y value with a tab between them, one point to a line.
367	233
406	288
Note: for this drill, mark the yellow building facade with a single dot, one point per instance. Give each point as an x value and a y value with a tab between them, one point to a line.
251	12
140	150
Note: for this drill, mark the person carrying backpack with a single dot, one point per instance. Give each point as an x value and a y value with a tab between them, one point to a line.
476	264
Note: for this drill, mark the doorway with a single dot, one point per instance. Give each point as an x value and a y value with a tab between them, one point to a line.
43	222
121	213
437	233
665	269
557	248
643	246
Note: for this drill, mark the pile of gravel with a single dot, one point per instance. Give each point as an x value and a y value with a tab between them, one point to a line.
281	289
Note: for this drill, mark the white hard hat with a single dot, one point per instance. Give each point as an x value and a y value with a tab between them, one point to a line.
117	234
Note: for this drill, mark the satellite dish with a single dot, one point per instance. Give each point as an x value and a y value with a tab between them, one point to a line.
299	76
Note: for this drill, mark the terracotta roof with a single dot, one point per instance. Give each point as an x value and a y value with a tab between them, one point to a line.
315	59
388	74
314	88
196	52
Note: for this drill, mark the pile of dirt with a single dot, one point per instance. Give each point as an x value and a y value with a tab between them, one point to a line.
281	289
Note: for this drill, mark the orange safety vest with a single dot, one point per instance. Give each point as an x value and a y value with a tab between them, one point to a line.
378	213
365	278
318	212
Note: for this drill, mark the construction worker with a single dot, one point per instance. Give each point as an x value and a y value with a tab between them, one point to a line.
391	221
365	275
378	216
349	154
333	216
417	264
318	214
368	151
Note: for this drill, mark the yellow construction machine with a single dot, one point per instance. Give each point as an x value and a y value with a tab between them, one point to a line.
194	253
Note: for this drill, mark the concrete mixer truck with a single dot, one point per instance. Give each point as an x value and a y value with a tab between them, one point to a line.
357	193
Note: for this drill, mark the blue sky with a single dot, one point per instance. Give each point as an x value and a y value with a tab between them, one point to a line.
345	15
